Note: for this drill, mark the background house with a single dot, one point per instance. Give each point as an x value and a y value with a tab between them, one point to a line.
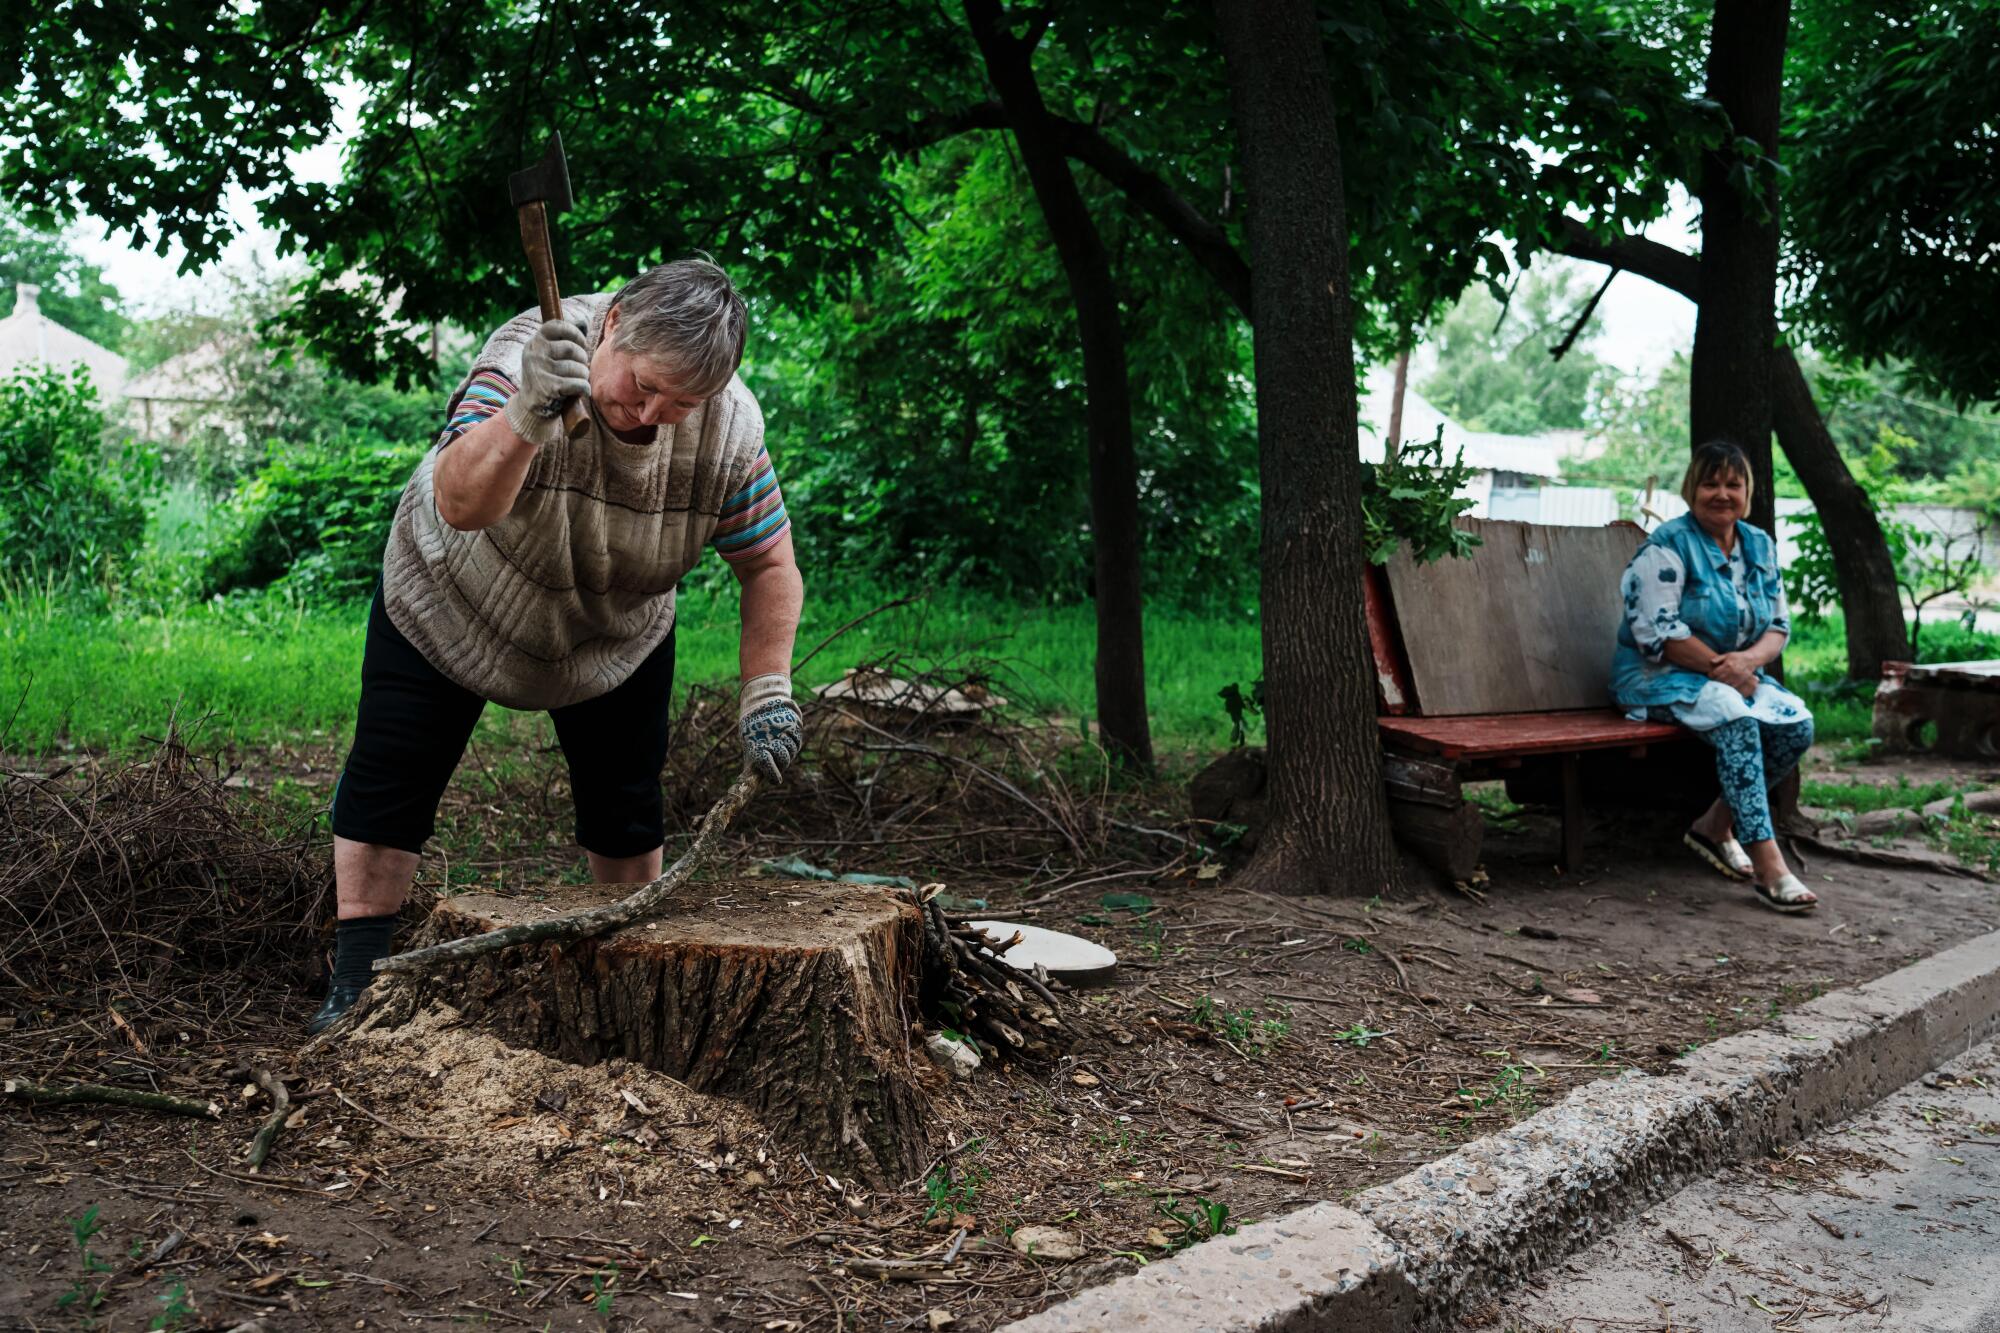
1514	476
30	338
183	397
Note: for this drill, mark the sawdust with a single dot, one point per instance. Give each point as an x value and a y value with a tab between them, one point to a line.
521	1120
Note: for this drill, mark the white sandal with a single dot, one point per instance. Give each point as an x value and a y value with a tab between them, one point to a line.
1788	895
1727	857
1737	859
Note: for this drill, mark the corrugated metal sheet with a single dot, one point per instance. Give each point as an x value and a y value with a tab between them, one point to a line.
1579	506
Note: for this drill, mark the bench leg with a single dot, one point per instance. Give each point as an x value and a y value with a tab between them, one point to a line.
1431	816
1572	814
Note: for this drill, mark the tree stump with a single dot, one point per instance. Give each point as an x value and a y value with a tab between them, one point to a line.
790	997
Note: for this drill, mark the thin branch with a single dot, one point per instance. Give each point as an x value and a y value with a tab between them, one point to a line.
267	1134
799	665
1561	349
37	1094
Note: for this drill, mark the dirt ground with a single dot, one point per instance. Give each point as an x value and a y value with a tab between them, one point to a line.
1254	1053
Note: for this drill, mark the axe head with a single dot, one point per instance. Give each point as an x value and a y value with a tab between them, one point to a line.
546	181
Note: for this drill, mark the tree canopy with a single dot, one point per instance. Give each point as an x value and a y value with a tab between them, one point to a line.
1494	370
1893	205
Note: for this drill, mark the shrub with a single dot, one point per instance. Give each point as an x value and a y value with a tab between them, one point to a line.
316	515
69	509
1412	496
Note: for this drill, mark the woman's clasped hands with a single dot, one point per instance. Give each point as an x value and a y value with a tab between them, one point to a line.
1736	671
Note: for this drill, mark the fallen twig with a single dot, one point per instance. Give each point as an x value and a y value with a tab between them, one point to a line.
267	1133
394	1129
1402	976
69	1094
159	1253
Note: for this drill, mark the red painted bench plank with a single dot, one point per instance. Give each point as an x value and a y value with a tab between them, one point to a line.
1492	735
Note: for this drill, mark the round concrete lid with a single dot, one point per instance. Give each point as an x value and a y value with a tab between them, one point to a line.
1068	958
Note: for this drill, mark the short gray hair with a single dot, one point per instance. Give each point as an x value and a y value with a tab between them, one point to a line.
689	315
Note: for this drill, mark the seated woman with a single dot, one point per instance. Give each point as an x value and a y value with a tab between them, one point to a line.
1704	615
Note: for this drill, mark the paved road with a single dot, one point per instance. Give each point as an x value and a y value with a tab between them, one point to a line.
1891	1221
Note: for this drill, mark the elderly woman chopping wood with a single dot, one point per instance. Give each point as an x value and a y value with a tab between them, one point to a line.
538	572
1704	615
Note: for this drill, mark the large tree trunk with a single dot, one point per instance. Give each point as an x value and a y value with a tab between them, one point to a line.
1328	827
793	998
1870	605
1114	468
1736	326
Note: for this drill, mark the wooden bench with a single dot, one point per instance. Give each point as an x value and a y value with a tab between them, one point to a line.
1498	666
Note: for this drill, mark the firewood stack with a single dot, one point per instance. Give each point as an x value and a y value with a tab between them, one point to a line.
969	985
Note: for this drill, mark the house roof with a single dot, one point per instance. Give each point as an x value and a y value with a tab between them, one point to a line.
30	338
1531	455
195	376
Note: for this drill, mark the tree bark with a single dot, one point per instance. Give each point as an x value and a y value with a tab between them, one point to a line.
1736	325
1114	467
1870	605
1328	822
790	997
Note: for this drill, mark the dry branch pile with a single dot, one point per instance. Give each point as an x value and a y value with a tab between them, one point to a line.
121	873
908	780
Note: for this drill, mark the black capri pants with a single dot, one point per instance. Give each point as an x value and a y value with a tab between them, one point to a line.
413	725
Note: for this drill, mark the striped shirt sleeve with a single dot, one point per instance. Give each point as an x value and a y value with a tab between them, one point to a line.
485	393
754	518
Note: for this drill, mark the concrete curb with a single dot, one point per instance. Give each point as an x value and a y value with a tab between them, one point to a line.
1415	1252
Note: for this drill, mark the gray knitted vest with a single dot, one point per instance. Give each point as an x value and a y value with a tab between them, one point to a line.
561	600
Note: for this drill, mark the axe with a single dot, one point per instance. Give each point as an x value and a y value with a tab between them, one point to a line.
537	192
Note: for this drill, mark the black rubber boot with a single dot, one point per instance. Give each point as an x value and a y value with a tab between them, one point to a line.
339	999
357	943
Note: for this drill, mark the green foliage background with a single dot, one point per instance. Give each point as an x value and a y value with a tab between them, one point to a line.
71	506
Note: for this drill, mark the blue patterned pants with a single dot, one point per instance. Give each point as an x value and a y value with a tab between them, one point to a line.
1751	757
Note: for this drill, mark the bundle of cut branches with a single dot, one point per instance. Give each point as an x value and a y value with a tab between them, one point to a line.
120	872
968	983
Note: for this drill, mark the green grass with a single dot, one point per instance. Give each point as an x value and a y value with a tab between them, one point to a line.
1861	797
265	670
268	671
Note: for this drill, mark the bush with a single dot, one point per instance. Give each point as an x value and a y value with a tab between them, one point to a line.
67	511
316	515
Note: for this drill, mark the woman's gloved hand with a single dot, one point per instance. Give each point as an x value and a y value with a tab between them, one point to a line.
771	725
555	367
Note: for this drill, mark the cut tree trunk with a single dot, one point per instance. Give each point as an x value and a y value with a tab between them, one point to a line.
790	997
1736	324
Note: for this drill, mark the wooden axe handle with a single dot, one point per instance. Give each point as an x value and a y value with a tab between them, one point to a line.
542	263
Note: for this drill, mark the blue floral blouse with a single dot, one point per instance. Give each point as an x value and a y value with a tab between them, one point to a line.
1680	584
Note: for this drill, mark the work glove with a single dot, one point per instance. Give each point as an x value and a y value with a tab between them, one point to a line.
555	367
772	727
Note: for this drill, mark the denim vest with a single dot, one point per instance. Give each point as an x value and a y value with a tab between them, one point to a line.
1708	607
